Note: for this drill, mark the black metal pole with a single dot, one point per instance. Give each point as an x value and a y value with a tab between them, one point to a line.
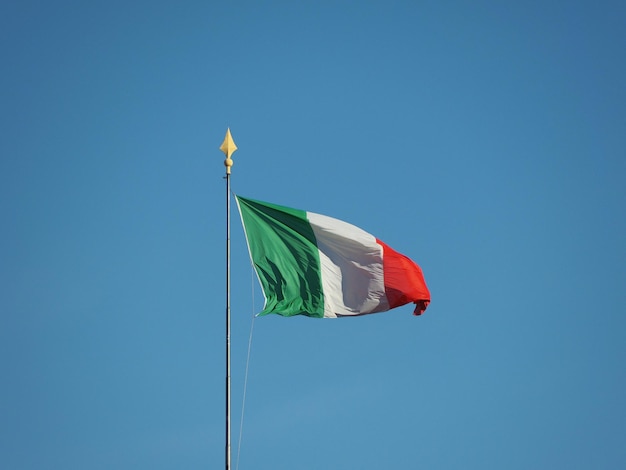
228	147
228	318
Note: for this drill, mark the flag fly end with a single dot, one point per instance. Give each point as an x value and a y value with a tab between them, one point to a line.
420	307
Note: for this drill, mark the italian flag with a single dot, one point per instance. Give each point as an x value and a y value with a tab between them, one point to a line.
314	265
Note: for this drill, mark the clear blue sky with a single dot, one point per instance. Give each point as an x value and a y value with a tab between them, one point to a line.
485	140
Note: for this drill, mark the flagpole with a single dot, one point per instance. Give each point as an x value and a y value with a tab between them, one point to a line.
228	147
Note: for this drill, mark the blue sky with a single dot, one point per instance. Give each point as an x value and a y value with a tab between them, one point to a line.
485	140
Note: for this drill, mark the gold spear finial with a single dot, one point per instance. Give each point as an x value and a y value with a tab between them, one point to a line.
228	147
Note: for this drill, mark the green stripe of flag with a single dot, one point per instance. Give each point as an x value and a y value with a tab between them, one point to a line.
285	255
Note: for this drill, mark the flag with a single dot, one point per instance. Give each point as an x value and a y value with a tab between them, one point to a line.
314	265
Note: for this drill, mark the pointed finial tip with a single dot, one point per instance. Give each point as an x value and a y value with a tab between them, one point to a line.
228	147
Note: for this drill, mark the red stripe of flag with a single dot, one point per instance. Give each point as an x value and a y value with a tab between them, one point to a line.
404	281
